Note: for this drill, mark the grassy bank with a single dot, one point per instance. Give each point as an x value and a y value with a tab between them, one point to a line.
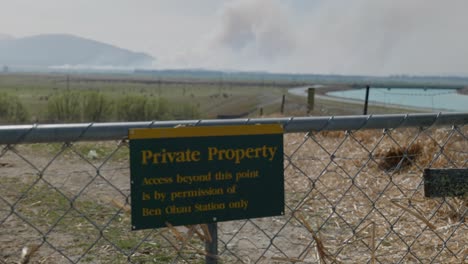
48	98
35	91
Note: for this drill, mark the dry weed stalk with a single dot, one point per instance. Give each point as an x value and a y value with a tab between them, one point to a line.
366	136
465	254
457	209
351	240
202	237
27	253
121	206
323	253
185	241
176	233
372	243
4	164
331	134
206	233
415	214
371	238
293	260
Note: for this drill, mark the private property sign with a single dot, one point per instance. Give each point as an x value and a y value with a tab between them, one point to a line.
194	175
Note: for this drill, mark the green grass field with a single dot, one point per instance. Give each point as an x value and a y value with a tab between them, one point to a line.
35	90
210	99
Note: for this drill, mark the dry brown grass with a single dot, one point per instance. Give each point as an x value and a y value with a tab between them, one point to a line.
352	207
368	198
331	134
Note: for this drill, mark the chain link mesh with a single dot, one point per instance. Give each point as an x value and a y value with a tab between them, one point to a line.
351	197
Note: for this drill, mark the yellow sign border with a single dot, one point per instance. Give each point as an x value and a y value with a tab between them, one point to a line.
205	131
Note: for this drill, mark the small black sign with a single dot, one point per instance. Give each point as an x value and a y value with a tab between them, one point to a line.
445	182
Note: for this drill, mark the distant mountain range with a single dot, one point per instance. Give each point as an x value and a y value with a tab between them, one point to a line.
66	50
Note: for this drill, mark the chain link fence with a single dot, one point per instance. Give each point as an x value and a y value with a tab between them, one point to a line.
353	192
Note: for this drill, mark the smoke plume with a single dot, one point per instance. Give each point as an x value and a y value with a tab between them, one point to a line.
338	37
259	28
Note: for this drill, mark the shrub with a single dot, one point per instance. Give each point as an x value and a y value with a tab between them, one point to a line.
12	110
186	111
96	107
141	108
74	106
64	107
132	108
164	110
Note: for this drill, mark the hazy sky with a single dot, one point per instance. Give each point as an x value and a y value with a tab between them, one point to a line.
312	36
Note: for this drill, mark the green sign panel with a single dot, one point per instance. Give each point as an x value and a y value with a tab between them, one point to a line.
445	182
194	175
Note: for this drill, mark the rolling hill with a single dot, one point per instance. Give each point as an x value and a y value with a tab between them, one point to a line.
62	49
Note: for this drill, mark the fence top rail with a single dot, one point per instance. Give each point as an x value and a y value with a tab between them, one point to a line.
36	133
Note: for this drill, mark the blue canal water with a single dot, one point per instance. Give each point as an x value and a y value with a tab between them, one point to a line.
433	99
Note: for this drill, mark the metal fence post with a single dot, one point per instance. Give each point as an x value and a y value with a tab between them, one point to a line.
211	247
310	99
366	102
282	103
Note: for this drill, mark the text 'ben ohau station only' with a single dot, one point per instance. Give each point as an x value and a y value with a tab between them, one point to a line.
195	175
